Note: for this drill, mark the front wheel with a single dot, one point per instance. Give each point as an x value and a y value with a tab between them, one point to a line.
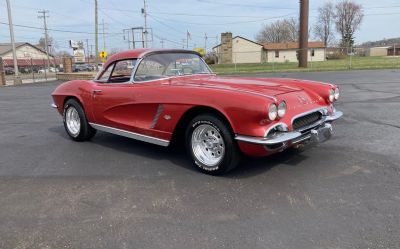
75	122
211	145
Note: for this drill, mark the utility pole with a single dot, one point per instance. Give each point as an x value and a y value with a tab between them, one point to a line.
104	36
46	42
17	79
205	43
87	50
96	31
303	39
91	51
183	43
126	37
187	39
144	12
162	43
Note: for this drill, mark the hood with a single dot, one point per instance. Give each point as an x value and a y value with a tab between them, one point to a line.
264	86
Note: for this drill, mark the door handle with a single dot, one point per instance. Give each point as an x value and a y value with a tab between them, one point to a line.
96	91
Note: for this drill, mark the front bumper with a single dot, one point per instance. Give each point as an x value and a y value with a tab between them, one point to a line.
317	132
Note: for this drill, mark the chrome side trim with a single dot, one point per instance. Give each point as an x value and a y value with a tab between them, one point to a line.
130	134
54	106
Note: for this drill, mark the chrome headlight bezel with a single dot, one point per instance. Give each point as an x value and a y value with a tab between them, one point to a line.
336	93
282	109
331	95
272	112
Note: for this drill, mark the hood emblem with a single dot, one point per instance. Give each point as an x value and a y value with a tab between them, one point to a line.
302	100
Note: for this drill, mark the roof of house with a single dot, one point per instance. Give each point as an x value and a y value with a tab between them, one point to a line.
7	47
291	45
238	36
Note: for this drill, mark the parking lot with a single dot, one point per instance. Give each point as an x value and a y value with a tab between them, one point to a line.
114	192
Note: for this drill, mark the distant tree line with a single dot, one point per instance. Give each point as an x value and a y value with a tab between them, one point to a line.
344	17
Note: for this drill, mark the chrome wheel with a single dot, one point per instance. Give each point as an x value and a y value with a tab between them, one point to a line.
207	145
72	121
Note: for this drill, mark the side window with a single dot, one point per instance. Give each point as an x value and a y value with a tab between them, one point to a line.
276	53
106	75
122	71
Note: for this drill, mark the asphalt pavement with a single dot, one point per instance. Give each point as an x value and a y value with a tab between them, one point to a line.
114	192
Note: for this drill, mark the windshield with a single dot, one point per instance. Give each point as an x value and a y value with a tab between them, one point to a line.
163	65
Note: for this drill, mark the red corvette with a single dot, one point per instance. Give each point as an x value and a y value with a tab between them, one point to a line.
159	96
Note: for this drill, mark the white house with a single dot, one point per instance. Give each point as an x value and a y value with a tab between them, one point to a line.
242	50
238	50
288	52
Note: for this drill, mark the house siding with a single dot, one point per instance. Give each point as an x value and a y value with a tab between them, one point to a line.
290	55
245	51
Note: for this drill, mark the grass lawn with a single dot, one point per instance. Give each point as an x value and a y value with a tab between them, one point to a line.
353	63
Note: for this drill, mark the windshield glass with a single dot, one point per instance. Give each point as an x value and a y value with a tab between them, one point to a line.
158	66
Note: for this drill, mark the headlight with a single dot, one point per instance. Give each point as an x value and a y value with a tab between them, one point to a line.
282	109
272	112
331	95
336	93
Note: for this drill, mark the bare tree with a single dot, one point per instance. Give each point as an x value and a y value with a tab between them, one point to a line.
348	18
50	43
285	30
323	27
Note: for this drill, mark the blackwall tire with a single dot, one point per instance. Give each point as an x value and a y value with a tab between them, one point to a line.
75	122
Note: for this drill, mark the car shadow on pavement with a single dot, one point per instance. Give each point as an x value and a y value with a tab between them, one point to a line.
177	155
251	166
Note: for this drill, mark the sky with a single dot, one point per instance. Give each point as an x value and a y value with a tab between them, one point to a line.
171	20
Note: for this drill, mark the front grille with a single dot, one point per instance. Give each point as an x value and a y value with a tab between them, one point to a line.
306	120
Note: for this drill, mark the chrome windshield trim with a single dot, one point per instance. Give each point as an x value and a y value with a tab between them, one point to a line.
130	134
139	60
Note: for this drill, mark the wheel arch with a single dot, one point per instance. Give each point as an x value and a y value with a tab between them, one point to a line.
180	128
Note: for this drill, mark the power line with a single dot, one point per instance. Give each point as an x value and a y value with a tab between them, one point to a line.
229	23
58	30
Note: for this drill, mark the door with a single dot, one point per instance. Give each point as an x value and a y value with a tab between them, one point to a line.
113	96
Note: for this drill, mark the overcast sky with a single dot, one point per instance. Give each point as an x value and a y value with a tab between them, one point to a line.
170	20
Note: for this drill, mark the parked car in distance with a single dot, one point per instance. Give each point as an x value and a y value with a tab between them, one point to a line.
169	95
48	70
9	70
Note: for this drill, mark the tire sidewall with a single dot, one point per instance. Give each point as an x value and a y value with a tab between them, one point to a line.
217	124
83	129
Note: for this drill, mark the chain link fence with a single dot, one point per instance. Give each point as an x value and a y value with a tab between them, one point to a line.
41	70
32	70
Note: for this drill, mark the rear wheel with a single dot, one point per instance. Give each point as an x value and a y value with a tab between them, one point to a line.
75	122
210	143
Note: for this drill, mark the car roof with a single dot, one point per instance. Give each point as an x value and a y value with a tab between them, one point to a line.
143	52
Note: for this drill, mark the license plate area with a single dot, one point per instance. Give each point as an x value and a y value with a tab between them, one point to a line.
322	134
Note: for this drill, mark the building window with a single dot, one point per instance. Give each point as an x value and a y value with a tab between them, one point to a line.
312	52
276	53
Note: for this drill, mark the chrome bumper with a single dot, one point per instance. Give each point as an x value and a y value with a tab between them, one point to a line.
317	132
54	106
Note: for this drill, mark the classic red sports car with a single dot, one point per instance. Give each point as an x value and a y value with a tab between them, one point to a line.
159	96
